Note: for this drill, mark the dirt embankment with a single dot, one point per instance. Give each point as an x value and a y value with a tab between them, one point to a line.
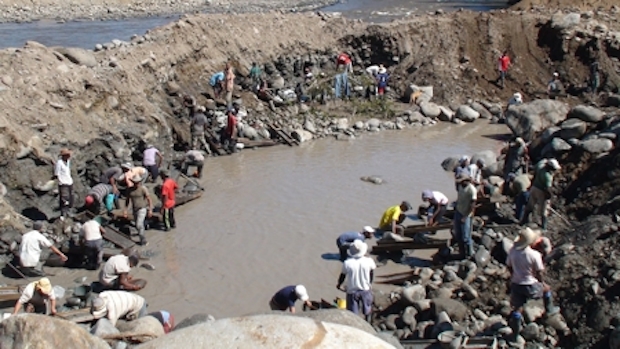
585	5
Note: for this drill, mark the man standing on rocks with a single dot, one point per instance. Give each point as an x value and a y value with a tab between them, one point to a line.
140	200
62	173
527	278
439	204
517	158
344	59
503	65
229	133
540	193
168	192
359	273
345	240
519	187
30	251
285	298
152	160
229	84
91	235
393	217
463	215
198	127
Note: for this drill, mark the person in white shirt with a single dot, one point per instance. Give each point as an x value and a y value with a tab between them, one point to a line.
92	240
439	204
358	270
38	297
62	173
30	251
115	273
116	305
152	160
475	171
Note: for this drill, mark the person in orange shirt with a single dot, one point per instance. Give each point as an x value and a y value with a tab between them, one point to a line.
168	192
344	60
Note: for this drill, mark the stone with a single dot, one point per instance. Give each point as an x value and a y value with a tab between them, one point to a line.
39	331
390	338
586	113
564	22
141	330
446	114
469	293
484	112
422	305
266	331
614	338
417	117
572	128
112	102
409	315
103	327
79	56
249	132
480	314
309	126
413	293
613	101
530	331
449	164
530	119
359	125
596	146
466	113
556	146
373	123
277	83
426	96
342	124
441	292
430	109
194	320
301	135
533	310
337	316
488	156
548	134
482	257
454	308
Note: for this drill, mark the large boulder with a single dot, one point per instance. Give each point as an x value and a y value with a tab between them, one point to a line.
338	316
562	22
249	132
455	309
586	113
449	164
141	330
613	101
482	110
466	113
267	331
430	110
555	147
488	156
572	128
79	56
39	331
529	119
413	294
194	320
598	145
302	135
426	96
446	114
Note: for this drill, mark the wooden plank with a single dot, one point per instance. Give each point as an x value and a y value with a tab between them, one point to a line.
286	138
399	246
412	230
248	143
10	293
214	146
79	315
117	238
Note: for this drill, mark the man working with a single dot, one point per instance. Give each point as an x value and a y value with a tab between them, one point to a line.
198	127
229	83
168	192
519	187
62	173
517	157
131	172
285	298
116	305
475	171
463	215
345	240
37	296
344	59
382	81
30	251
229	133
112	175
359	273
393	217
438	205
115	273
140	200
540	193
96	198
216	83
91	235
503	64
152	160
255	76
554	87
527	280
193	158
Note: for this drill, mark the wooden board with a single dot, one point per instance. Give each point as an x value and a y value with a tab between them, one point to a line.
285	137
412	230
10	293
248	143
77	316
407	245
117	238
214	146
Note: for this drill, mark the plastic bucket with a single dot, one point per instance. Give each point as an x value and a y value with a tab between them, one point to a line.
342	303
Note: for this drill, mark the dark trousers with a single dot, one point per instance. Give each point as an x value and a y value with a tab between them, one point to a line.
153	171
65	197
169	221
520	202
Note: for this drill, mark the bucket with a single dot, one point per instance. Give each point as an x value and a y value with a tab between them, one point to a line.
342	303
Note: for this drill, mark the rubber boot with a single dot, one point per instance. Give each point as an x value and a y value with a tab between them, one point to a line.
544	223
515	321
550	309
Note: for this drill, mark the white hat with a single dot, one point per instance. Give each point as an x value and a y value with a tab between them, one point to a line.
98	308
556	74
382	70
369	229
301	293
358	249
554	164
463	159
526	237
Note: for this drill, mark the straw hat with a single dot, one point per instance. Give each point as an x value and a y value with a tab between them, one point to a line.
65	152
301	293
44	286
526	237
98	308
358	249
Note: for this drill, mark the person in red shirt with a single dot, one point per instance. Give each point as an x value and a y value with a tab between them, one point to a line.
503	65
229	135
345	60
168	191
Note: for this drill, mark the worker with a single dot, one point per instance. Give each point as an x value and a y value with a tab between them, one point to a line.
112	175
152	160
344	60
540	193
517	157
62	173
193	158
519	188
97	198
503	64
438	205
285	298
115	273
527	278
91	235
142	205
345	240
461	169
393	217
554	87
475	171
358	270
131	172
30	259
115	305
463	215
168	193
38	297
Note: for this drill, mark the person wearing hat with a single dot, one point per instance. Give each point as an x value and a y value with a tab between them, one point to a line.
91	236
358	271
168	192
132	172
115	273
345	240
527	278
285	298
438	205
62	173
461	169
554	87
517	157
519	188
115	305
140	201
516	99
37	296
152	159
463	215
30	257
540	193
393	217
198	126
96	197
382	79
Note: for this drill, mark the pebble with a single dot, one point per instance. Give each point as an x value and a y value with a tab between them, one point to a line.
147	266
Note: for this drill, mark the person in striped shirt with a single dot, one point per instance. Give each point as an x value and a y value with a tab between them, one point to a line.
95	200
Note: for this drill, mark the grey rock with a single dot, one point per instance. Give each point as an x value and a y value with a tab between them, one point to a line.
613	101
103	327
530	119
277	83
141	330
249	132
549	133
586	113
596	146
533	310
454	308
112	102
194	320
342	124
556	146
359	125
422	305
309	126
79	56
390	338
484	113
374	123
482	257
417	117
441	293
469	292
563	22
430	109
446	115
572	128
413	294
530	331
614	338
488	156
409	315
449	164
466	113
337	316
302	135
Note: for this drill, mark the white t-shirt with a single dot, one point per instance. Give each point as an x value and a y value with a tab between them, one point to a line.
149	156
30	296
90	230
113	267
524	263
62	170
121	304
439	198
475	173
30	248
358	271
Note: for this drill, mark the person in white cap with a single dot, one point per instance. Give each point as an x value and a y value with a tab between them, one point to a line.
142	205
540	193
38	297
554	87
359	273
527	278
438	203
516	99
116	305
345	240
285	298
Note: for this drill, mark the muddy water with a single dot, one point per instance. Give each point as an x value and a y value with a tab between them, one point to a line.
270	217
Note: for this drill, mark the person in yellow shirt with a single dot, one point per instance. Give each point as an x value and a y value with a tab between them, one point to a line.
393	217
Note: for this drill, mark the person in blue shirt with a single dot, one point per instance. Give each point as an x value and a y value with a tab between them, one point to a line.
382	81
216	83
285	298
345	240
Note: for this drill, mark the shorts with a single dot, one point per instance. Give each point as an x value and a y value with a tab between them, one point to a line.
360	300
381	90
519	294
